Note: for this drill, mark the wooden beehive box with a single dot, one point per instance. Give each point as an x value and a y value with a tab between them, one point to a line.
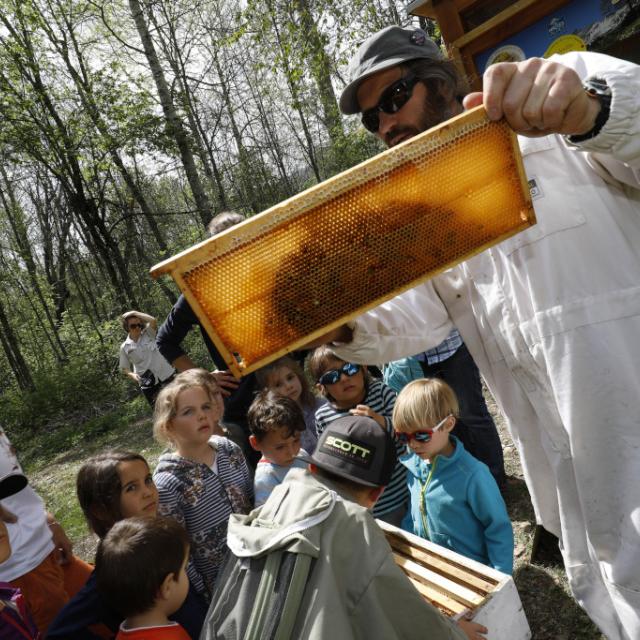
307	265
457	585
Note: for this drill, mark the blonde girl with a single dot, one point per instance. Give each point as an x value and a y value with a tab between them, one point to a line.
206	478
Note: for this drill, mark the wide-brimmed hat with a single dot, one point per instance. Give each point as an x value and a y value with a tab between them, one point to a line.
356	448
386	48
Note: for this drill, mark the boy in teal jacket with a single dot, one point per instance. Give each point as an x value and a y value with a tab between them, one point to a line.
455	501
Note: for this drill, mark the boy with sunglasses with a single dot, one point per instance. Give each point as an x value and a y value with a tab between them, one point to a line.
350	390
455	501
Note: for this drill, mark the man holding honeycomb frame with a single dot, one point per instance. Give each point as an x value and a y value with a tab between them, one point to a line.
552	315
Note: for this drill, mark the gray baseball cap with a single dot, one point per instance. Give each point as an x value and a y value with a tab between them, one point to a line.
356	448
386	48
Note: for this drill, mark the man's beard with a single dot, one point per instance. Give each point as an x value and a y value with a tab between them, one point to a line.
433	111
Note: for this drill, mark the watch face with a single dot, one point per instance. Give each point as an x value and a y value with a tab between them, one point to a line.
597	87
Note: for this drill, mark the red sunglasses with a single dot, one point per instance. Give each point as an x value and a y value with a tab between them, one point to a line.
420	436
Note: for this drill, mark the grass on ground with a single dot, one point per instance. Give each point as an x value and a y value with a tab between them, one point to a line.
53	459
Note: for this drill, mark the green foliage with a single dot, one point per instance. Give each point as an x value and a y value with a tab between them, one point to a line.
75	429
354	147
94	187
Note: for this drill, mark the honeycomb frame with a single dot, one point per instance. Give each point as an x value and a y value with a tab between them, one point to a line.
307	265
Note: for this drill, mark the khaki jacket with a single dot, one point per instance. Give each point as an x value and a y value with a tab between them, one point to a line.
354	588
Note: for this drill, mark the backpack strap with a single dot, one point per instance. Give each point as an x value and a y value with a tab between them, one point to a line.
265	589
261	621
294	596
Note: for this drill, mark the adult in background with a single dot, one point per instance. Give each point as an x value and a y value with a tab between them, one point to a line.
150	370
238	394
552	315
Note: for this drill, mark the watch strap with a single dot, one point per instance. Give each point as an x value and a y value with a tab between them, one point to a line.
598	90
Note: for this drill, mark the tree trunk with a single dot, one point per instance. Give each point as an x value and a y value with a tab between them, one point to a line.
16	222
14	355
174	124
320	66
295	95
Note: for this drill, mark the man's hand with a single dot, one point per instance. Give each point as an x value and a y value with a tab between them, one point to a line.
536	97
343	333
63	545
226	381
473	630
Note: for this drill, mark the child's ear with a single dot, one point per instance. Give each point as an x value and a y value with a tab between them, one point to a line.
164	592
321	389
450	423
255	445
167	430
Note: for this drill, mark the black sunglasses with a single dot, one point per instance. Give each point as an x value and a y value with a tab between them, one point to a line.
393	98
333	375
136	325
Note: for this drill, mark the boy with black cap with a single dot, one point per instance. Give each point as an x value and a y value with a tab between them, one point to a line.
312	563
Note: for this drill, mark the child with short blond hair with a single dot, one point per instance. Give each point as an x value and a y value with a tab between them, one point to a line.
455	501
207	478
276	423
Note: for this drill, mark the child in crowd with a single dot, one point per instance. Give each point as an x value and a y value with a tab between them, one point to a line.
16	622
141	570
284	376
276	423
112	486
350	390
207	478
352	588
455	501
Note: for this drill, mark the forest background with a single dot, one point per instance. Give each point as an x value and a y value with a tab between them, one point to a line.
124	128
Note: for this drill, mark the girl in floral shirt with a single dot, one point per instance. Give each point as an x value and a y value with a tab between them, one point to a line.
207	478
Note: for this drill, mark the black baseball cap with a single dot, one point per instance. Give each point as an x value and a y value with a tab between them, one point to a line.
386	48
356	448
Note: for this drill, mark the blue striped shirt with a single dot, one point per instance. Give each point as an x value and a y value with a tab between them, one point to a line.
380	398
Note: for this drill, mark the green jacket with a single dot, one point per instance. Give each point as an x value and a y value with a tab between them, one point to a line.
354	588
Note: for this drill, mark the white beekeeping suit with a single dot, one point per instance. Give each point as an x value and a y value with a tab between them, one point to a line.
552	319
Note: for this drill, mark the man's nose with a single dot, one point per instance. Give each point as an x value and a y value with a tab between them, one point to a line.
387	122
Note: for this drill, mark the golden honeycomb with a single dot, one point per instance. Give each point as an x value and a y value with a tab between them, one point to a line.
306	265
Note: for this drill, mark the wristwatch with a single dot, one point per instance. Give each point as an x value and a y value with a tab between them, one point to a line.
598	90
